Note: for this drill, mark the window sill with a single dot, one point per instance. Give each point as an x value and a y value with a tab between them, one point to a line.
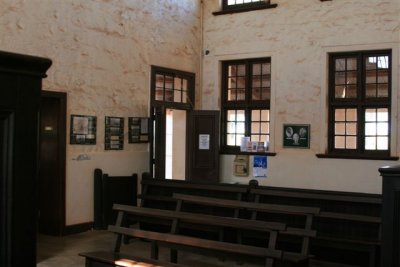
244	9
345	156
272	154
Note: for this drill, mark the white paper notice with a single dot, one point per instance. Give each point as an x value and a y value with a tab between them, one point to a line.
204	141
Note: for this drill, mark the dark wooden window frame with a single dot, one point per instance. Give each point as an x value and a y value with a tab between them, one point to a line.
158	107
360	104
229	9
248	105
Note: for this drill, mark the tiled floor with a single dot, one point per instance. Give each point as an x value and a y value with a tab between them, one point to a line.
63	251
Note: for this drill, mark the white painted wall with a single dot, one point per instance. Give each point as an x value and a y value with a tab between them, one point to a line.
297	35
102	51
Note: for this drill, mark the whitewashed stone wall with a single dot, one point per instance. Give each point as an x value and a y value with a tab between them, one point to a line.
102	51
298	35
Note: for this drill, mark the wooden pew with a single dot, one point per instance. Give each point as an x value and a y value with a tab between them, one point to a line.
347	221
176	241
306	232
109	258
158	192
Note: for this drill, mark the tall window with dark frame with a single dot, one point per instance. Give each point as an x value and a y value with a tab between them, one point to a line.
243	4
359	103
246	91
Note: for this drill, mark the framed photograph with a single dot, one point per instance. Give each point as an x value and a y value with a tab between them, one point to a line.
296	135
83	130
138	130
114	133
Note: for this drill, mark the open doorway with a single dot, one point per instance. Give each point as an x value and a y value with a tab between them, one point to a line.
175	144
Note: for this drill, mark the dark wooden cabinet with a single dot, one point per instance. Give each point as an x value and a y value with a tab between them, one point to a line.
20	90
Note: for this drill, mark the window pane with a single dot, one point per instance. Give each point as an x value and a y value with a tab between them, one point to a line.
240	115
351	91
159	80
370	76
383	76
265	115
241	82
370	143
264	127
340	78
351	142
240	128
351	128
177	83
351	63
340	128
239	139
169	81
351	77
232	83
266	68
255	115
231	95
159	94
255	127
231	127
370	90
184	96
383	90
265	94
266	82
169	95
177	96
370	115
382	143
351	114
383	128
240	94
370	129
340	114
256	69
383	114
241	70
230	139
340	64
339	142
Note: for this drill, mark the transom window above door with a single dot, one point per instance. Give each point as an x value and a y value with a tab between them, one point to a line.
172	87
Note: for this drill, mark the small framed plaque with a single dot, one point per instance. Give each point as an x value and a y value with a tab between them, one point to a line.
296	135
138	130
114	133
83	130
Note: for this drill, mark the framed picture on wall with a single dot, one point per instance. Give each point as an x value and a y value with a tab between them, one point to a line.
138	129
114	133
296	135
83	130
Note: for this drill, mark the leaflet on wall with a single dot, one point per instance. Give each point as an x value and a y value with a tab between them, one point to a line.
260	166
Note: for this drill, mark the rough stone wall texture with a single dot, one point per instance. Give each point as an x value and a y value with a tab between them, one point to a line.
102	51
298	35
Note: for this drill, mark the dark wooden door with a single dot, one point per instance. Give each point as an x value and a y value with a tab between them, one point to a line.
52	163
203	146
158	144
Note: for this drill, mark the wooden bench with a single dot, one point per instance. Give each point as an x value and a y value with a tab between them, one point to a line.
347	221
158	192
109	258
108	190
305	232
177	242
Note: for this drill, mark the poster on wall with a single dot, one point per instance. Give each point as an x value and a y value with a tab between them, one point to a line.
138	130
296	135
83	130
114	133
260	166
